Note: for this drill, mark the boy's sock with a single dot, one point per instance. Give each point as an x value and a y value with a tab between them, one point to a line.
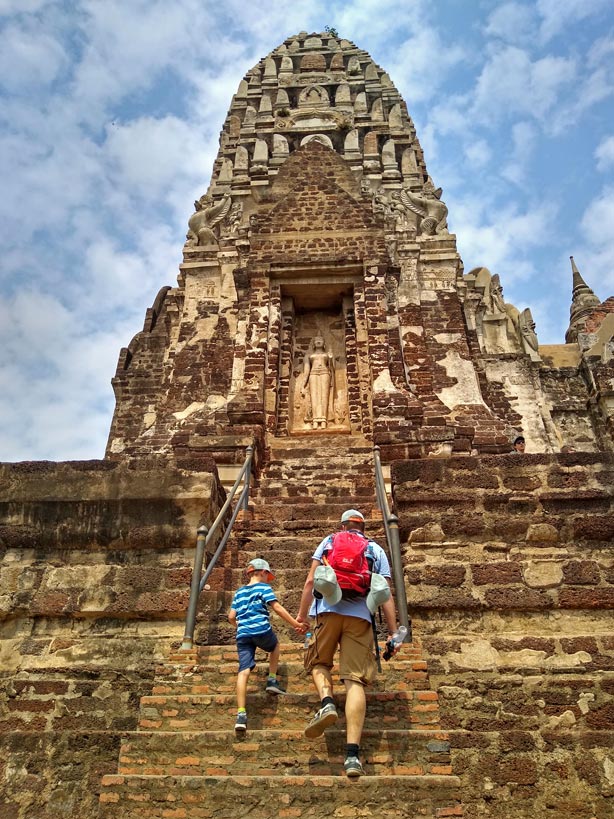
327	701
351	749
272	677
241	711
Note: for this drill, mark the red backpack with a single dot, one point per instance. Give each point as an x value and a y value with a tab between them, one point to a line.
347	556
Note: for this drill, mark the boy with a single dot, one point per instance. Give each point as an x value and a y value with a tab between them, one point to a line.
249	612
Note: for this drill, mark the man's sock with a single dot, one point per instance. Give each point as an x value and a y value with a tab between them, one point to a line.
351	749
327	701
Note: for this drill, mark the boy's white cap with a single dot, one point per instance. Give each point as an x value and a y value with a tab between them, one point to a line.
352	514
259	565
325	582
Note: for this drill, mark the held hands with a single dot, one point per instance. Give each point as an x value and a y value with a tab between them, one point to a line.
300	627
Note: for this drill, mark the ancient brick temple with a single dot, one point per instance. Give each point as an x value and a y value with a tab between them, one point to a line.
322	308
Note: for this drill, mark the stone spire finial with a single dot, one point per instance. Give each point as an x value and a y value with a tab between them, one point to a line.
583	300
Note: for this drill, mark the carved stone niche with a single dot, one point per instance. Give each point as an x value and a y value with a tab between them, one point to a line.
318	387
314	349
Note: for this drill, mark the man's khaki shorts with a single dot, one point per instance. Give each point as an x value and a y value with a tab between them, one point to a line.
354	637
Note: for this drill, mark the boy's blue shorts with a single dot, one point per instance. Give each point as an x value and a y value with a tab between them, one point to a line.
246	647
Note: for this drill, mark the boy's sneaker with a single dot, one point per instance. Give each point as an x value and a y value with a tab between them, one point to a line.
327	715
273	687
241	722
352	767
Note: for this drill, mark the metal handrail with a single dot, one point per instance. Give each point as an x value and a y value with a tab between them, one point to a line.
204	536
391	527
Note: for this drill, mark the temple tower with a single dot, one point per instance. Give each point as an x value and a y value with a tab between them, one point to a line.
320	289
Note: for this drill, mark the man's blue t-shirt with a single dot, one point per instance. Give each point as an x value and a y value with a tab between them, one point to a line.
358	606
252	606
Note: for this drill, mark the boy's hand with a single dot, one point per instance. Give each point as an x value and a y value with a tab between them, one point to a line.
301	628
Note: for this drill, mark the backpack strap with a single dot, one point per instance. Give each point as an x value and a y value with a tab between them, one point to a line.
370	554
376	644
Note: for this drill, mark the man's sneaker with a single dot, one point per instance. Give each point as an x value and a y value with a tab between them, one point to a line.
327	715
241	722
353	767
273	687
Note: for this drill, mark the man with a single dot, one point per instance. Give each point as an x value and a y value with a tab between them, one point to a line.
345	624
519	445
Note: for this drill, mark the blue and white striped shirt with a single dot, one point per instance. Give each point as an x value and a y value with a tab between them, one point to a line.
252	606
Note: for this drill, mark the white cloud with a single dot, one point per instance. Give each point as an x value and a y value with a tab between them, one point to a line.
560	15
8	7
29	59
413	69
500	238
511	83
147	153
598	219
524	138
597	253
512	22
604	153
374	17
478	153
600	51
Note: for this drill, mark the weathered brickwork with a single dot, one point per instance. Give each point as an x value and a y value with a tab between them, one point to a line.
509	571
94	576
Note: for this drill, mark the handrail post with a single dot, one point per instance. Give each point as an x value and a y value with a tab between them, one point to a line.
248	477
391	527
190	623
399	577
205	536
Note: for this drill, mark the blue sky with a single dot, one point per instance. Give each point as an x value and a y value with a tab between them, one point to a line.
110	112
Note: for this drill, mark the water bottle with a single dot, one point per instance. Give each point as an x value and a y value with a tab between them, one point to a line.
307	638
392	642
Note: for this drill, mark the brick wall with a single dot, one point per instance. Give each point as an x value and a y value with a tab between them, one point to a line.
511	588
95	566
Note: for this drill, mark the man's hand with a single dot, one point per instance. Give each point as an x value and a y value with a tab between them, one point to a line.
391	648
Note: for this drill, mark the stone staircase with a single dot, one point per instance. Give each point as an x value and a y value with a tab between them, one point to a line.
185	761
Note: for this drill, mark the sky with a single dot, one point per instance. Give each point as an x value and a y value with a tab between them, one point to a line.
110	113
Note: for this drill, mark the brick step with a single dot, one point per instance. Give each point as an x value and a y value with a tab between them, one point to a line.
326	509
288	583
287	579
262	797
281	555
292	676
336	467
269	752
289	597
189	712
341	460
328	515
344	445
216	630
214	654
308	527
280	538
283	489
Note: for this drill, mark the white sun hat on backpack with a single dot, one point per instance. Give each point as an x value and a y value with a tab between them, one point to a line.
325	583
